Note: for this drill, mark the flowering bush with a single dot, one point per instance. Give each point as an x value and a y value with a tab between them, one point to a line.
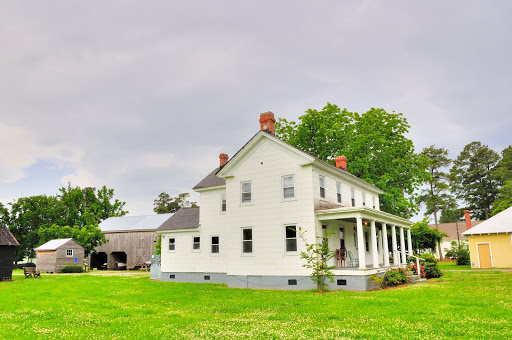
396	277
414	269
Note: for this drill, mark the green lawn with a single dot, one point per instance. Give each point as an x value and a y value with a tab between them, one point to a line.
449	265
461	304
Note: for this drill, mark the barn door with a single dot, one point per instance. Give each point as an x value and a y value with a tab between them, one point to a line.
484	255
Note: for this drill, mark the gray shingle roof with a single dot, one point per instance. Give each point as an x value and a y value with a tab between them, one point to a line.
6	238
54	244
501	223
132	223
212	180
185	218
452	228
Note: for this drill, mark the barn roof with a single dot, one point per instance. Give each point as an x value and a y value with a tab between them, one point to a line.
185	218
133	223
6	238
54	244
501	223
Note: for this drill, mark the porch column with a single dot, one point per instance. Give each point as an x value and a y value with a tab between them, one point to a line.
385	244
360	243
393	244
409	241
373	239
402	246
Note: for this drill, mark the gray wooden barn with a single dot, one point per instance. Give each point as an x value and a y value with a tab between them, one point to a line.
55	254
131	241
8	246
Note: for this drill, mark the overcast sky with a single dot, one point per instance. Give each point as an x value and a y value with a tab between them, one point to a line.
143	96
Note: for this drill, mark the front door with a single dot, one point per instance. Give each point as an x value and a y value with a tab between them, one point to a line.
484	255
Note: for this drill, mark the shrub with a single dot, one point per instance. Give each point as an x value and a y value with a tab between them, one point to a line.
432	271
428	258
463	258
396	277
72	269
378	280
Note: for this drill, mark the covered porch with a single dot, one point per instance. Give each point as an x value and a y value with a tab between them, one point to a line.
362	234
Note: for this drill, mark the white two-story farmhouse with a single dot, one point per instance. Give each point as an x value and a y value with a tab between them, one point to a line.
246	232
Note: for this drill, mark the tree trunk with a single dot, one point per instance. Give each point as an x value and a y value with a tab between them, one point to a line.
437	227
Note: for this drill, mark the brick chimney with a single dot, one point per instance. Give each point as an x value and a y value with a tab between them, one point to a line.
341	162
223	159
468	219
268	122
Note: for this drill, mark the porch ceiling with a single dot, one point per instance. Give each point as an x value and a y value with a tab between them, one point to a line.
361	212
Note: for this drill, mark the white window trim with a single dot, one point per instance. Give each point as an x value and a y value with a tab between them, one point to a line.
340	200
241	194
363	199
353	197
242	242
71	253
221	199
196	250
168	241
293	252
294	198
320	187
374	202
211	244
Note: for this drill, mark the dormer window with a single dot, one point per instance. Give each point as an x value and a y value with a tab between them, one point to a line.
288	187
353	196
321	180
246	192
338	192
363	197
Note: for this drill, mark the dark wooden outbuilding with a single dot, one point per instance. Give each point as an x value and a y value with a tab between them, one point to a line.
55	254
8	246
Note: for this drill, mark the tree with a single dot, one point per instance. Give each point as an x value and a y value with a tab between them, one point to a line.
473	180
451	213
88	236
166	204
504	200
317	255
374	143
435	196
503	169
425	238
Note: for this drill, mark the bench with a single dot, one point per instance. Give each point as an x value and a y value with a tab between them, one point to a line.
31	272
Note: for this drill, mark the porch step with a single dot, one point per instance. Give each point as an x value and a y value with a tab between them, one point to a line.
418	281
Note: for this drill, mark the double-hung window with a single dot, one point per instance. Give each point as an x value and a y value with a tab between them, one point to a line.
291	238
321	181
366	241
373	202
338	192
196	243
172	244
246	192
288	187
69	252
353	196
247	240
223	203
215	244
363	197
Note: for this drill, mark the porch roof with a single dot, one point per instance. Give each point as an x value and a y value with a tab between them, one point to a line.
362	212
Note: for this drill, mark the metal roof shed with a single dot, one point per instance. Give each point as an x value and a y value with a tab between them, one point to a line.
55	254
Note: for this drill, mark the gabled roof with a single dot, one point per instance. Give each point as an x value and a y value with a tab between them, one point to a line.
6	238
185	218
212	180
54	244
133	223
451	229
501	223
309	159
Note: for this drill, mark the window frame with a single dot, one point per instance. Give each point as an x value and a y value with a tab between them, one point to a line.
374	202
283	188
69	255
223	203
242	193
173	244
353	196
291	252
194	243
214	244
321	186
338	192
248	253
363	198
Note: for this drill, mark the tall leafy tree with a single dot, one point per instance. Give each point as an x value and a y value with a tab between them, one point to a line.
166	204
451	213
504	200
503	169
374	143
435	196
473	180
425	238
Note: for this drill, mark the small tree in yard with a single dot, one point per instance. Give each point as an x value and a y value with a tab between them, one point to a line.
317	255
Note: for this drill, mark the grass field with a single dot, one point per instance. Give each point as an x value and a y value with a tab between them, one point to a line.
449	265
461	304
